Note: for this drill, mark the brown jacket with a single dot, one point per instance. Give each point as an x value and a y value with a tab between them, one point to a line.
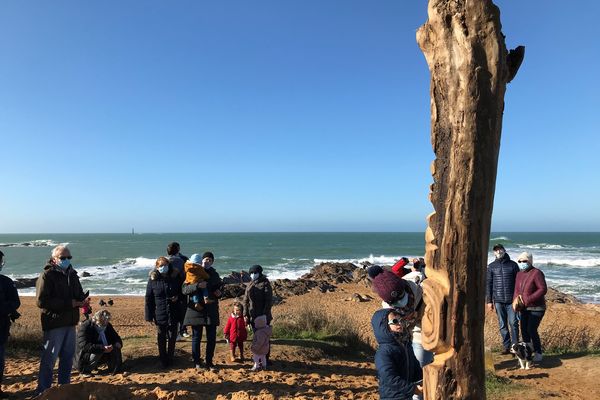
55	292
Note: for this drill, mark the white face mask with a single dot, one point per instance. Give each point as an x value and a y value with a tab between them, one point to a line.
254	276
523	266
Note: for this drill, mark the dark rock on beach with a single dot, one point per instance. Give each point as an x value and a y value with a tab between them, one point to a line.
237	277
85	274
22	283
332	272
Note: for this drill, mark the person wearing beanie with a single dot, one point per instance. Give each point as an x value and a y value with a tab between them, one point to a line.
208	317
195	273
499	289
406	298
530	291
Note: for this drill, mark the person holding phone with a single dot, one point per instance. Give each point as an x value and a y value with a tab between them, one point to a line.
98	343
59	296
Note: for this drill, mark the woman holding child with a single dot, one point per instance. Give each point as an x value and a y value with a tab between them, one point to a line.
202	310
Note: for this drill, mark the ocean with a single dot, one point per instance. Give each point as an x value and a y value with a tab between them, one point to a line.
119	263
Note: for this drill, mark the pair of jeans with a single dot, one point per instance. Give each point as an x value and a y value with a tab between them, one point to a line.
166	337
424	357
507	318
211	342
58	343
530	321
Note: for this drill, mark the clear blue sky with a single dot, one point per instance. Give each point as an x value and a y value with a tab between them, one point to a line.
275	116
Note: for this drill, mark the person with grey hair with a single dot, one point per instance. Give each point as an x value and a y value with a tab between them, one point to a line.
59	296
98	343
9	303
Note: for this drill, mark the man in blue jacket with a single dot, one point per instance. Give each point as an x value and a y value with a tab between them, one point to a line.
500	286
9	303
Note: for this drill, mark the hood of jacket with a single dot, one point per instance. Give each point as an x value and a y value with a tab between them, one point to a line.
382	332
260	321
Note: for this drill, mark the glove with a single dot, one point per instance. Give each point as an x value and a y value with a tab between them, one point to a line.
14	316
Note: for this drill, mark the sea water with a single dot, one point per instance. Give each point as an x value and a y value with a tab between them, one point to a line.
120	263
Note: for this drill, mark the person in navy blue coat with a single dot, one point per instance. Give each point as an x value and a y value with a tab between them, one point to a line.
9	303
163	307
398	370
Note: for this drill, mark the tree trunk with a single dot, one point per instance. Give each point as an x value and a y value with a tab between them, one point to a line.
465	50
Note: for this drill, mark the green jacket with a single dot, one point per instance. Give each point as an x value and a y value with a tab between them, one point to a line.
55	292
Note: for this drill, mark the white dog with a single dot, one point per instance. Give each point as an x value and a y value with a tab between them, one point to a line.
524	353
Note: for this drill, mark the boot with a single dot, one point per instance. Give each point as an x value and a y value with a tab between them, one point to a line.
232	355
242	355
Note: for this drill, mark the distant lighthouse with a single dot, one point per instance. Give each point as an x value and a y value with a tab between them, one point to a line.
132	231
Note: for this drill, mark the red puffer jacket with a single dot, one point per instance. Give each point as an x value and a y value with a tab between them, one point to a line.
235	329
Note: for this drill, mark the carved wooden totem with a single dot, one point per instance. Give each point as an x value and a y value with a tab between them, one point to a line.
470	67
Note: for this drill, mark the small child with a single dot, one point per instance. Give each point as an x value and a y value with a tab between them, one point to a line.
195	273
398	371
235	332
86	308
260	343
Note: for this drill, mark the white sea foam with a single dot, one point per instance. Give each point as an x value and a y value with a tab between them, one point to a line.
32	243
544	246
500	238
379	260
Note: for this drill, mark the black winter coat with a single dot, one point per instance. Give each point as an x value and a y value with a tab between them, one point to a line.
89	342
397	367
160	309
9	303
55	292
500	280
258	299
210	314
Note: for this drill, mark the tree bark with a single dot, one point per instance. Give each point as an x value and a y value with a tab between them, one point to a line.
467	57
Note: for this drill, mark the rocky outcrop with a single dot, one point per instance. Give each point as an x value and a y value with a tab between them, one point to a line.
554	296
332	272
23	283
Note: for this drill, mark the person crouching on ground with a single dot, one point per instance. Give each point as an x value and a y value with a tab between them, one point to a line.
260	343
162	307
398	370
195	273
98	343
235	332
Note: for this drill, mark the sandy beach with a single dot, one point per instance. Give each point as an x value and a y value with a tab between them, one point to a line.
302	369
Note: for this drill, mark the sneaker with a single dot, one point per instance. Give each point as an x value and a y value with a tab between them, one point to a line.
255	368
198	367
210	367
537	357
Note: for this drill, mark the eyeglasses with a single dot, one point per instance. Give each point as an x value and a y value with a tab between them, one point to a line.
394	321
63	258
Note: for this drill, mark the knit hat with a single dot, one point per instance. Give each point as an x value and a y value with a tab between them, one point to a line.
196	259
526	256
498	247
255	269
209	255
390	287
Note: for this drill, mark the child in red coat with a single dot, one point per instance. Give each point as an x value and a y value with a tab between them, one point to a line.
235	332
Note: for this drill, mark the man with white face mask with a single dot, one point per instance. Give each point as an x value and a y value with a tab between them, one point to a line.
500	286
59	296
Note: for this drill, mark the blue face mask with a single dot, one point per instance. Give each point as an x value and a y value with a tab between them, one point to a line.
163	269
523	266
254	276
64	264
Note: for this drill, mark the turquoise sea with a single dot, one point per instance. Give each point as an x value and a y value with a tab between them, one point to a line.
119	263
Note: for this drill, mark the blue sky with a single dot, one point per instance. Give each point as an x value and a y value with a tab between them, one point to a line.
274	116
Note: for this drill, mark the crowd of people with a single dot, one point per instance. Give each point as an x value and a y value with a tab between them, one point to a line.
184	293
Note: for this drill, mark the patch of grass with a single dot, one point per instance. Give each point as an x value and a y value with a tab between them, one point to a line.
496	385
24	339
313	323
565	340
